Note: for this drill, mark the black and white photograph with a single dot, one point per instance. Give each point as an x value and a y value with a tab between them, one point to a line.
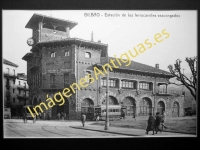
99	73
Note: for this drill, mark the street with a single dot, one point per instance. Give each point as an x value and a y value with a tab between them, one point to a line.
16	128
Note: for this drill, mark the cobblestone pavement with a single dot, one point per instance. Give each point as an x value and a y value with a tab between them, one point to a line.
15	128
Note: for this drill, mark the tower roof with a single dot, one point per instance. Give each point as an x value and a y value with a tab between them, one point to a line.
9	63
48	21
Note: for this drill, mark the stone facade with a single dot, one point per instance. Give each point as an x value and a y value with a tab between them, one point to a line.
54	65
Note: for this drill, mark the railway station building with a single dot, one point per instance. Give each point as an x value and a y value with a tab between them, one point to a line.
56	61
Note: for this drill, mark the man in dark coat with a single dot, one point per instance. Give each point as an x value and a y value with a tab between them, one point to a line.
157	122
83	118
151	124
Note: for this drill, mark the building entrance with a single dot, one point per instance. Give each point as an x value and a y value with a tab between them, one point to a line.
161	107
175	109
145	107
130	106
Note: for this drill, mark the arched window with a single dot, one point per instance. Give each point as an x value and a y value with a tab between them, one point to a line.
53	54
67	53
87	55
161	107
130	106
145	107
175	109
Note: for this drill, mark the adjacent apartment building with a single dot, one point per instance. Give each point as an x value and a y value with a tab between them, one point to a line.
56	61
15	88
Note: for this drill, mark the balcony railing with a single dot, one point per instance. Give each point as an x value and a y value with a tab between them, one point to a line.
177	93
8	94
172	92
22	96
6	74
21	87
7	85
53	86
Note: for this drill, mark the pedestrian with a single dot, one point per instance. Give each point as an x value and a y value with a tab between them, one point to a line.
40	115
123	114
83	118
44	116
157	122
24	115
65	116
58	116
163	120
134	117
62	116
97	117
151	124
49	115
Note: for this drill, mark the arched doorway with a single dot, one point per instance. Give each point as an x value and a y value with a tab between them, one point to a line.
161	107
145	107
85	105
175	109
130	106
61	109
35	101
112	101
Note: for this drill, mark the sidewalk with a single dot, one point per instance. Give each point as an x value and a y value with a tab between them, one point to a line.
130	132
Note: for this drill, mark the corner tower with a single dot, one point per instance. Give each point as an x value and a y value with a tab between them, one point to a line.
45	28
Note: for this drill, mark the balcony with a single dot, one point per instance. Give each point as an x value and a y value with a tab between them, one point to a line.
22	96
169	93
53	86
9	75
7	86
176	93
8	94
20	87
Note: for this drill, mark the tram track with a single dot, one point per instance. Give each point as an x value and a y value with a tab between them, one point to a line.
23	129
14	131
43	128
67	131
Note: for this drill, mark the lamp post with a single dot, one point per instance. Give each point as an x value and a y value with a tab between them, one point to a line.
107	96
183	85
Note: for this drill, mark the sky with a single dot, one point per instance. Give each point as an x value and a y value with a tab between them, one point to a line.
120	33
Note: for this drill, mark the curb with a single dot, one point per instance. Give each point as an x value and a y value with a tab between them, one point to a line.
162	131
104	131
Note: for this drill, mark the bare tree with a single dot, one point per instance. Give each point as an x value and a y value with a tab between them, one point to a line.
189	83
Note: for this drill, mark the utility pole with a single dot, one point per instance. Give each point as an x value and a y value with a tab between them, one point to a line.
107	96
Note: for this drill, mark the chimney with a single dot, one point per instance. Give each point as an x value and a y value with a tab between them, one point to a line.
67	32
157	66
92	36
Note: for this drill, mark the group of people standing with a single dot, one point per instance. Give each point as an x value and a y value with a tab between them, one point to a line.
44	116
154	122
61	116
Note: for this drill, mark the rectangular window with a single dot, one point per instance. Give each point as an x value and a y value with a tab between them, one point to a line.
19	82
40	78
144	85
14	82
111	82
8	70
67	53
14	71
52	78
13	90
66	78
88	74
127	84
13	100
